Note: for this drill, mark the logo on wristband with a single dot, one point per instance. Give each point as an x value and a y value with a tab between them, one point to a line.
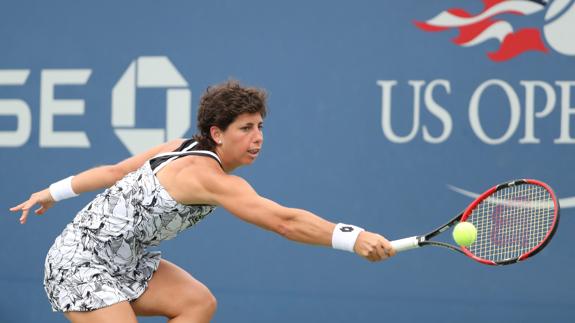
346	229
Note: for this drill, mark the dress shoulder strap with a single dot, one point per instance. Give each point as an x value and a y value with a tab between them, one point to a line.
161	160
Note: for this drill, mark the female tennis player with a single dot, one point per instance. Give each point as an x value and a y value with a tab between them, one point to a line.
99	269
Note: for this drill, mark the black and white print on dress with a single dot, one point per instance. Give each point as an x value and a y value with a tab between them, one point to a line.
101	257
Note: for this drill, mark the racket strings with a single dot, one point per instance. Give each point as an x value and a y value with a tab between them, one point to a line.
511	222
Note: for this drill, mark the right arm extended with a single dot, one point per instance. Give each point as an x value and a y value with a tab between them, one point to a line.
239	198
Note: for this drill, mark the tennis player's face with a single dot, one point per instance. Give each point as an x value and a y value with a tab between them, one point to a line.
242	140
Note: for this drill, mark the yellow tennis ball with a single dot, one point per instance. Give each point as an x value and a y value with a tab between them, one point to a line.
464	234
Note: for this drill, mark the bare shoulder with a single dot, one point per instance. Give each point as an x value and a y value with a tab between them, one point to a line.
172	144
127	165
219	182
200	181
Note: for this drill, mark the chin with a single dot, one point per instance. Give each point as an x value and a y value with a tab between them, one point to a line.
249	161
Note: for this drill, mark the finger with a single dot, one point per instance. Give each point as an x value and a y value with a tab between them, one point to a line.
372	254
389	249
366	254
26	209
371	258
386	245
42	209
17	207
24	216
381	252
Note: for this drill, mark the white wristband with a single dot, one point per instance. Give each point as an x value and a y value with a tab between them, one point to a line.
62	189
344	236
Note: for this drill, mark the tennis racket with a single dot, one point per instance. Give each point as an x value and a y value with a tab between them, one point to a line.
514	221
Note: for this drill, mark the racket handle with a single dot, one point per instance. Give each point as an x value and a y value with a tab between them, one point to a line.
405	244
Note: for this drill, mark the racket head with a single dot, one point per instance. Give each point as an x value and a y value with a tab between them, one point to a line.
514	221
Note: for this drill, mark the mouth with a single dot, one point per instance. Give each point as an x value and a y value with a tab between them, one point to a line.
254	152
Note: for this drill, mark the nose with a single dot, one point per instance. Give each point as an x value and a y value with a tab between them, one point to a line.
259	136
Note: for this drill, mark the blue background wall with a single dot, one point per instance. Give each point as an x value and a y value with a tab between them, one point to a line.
325	150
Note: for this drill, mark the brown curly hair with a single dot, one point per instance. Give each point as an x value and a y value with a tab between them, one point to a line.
221	104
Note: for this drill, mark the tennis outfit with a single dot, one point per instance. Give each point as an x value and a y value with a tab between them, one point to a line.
102	257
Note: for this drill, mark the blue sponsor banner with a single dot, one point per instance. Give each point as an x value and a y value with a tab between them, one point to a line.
387	115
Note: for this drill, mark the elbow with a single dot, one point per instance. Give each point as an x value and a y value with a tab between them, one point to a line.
288	229
115	173
285	228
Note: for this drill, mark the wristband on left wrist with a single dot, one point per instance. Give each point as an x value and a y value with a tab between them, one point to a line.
62	189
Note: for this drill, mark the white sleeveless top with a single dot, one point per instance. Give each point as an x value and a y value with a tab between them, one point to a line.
101	258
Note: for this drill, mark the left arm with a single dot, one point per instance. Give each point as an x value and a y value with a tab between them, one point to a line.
105	176
93	179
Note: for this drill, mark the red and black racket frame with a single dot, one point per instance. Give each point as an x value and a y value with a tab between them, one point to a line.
425	239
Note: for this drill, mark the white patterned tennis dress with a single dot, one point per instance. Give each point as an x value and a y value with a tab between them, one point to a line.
101	258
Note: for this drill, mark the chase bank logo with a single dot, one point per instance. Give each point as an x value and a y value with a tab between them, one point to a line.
143	72
558	30
150	72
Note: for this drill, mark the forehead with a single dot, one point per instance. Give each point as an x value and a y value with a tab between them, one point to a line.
254	118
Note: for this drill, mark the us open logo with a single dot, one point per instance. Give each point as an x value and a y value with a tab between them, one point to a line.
555	30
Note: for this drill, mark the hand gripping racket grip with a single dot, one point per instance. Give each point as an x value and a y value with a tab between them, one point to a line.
405	244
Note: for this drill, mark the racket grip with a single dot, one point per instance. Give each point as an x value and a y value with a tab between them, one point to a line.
405	244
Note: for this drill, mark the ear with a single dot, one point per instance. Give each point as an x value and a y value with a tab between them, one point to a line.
217	134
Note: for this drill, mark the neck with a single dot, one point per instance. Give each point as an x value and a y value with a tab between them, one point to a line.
227	166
